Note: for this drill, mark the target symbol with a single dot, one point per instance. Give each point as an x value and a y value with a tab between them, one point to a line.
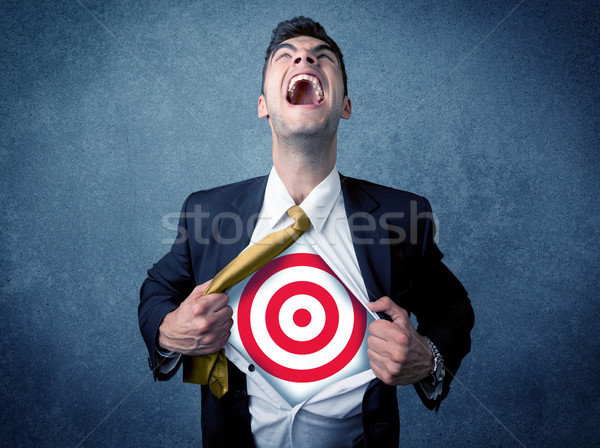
300	330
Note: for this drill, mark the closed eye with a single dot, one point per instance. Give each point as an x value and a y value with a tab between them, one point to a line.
283	54
325	56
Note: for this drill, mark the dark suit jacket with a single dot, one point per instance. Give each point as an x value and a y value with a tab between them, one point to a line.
393	235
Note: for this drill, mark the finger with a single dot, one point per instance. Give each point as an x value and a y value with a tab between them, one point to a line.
216	344
222	341
389	332
383	362
199	290
214	302
222	316
216	322
206	306
390	352
376	359
221	301
225	326
377	329
381	373
377	345
387	306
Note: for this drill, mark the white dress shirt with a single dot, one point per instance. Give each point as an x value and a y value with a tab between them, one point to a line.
333	416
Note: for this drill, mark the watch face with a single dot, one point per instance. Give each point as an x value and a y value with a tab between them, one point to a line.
439	372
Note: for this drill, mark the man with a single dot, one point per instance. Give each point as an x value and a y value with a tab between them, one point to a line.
383	239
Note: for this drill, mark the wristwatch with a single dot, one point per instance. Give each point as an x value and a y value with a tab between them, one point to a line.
437	371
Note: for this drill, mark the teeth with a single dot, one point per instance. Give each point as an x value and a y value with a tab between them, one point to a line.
315	82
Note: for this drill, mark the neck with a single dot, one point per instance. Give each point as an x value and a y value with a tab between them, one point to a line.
304	164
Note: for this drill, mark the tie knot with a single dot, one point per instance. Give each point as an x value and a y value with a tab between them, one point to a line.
302	222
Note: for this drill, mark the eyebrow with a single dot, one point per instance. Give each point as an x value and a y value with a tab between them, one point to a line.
316	49
280	46
321	48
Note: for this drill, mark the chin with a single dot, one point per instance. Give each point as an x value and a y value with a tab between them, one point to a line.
307	130
313	125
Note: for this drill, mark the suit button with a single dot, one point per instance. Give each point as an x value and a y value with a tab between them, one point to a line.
251	368
149	363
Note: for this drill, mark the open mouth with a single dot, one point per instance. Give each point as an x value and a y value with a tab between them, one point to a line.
305	89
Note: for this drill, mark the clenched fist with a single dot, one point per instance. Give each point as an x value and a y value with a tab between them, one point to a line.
201	325
398	354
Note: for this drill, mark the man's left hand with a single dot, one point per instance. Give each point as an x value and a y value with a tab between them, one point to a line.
398	354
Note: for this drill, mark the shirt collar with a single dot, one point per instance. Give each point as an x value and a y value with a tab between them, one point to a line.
317	205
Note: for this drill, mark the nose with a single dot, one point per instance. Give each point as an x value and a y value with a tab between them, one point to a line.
306	56
308	59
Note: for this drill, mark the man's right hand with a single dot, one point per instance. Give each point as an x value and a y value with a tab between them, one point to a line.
200	326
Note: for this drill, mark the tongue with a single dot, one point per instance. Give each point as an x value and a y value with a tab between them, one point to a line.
304	94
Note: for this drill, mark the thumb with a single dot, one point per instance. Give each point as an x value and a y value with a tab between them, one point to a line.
198	291
387	306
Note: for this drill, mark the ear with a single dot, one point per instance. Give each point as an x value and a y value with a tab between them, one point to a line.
346	108
262	107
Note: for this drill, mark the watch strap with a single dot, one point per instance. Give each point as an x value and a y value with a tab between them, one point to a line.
437	371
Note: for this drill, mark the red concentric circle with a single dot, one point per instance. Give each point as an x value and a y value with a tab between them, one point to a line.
329	367
302	317
332	318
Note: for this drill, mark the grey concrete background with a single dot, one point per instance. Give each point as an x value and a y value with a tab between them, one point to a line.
112	112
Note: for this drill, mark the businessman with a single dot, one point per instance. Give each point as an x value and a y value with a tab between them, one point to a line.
382	238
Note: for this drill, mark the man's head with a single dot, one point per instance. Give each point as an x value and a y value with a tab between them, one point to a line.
301	26
304	85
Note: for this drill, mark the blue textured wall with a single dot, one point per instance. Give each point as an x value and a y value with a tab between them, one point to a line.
112	112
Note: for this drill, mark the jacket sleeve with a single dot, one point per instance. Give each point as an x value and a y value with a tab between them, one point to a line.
169	282
441	306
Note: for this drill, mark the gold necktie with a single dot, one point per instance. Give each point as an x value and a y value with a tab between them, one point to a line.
212	369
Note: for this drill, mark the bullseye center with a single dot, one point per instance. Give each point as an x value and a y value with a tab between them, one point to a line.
302	317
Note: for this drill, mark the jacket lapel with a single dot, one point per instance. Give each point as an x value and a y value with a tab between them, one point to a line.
373	257
246	206
249	201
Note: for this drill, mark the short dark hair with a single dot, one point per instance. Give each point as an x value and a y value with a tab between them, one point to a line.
302	26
